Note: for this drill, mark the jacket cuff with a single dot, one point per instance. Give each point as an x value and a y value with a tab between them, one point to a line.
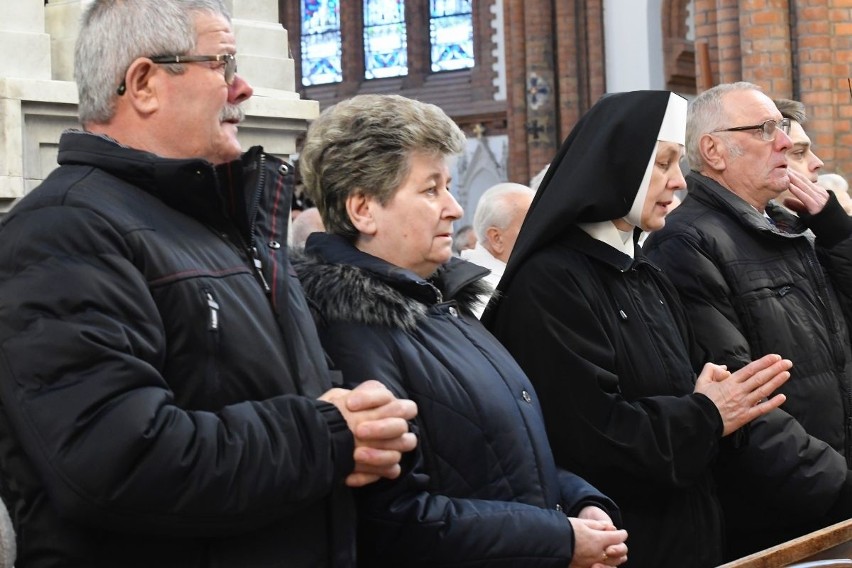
602	502
831	225
712	412
342	440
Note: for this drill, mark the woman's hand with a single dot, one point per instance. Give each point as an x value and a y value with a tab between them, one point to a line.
597	544
742	396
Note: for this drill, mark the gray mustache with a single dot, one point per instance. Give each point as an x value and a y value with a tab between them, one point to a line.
232	112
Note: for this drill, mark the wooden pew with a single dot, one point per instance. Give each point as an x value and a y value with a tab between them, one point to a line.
833	542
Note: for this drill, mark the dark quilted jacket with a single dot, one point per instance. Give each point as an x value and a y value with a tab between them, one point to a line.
147	415
482	488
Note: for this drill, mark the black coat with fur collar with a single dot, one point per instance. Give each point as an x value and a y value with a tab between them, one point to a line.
482	488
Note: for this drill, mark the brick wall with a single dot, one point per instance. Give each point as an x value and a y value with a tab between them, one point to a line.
800	49
555	46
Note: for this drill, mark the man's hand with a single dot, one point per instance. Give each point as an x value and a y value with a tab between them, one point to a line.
741	397
807	197
379	422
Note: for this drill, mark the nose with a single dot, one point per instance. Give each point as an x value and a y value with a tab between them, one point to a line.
677	181
816	163
452	209
239	91
783	142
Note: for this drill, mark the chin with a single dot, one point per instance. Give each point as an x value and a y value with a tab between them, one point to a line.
229	155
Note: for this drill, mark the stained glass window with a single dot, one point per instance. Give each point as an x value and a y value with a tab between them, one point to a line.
321	58
385	40
451	31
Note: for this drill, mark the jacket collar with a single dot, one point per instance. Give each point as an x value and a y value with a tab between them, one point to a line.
779	221
580	240
192	186
346	284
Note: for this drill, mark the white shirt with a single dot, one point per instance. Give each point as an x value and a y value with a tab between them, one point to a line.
480	255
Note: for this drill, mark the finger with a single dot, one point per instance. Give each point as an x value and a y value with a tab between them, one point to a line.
771	404
707	373
756	366
403	443
616	550
360	479
812	195
721	373
595	524
396	408
382	429
771	378
764	407
369	394
376	472
773	384
369	457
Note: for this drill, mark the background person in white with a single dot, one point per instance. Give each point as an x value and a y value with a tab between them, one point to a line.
498	217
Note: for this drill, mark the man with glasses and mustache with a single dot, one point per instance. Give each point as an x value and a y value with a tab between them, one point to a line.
164	398
757	279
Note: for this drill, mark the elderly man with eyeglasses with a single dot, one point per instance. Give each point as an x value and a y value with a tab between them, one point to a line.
757	279
164	398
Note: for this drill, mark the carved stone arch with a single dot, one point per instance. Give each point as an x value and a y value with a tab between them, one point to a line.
481	166
678	46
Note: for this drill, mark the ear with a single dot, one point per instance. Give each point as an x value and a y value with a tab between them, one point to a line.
360	208
142	83
494	236
712	153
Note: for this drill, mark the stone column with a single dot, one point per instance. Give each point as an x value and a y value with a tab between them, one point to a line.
23	42
275	115
24	94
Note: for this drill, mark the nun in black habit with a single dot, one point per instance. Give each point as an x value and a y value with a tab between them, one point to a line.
600	332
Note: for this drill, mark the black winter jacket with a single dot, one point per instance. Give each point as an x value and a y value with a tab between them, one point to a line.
148	380
754	286
482	488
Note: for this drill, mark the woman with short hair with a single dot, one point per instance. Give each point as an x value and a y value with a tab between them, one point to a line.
394	304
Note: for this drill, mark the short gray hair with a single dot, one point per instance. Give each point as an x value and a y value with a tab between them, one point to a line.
114	33
706	114
364	145
494	209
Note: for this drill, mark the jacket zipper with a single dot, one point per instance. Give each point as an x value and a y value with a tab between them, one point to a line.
249	245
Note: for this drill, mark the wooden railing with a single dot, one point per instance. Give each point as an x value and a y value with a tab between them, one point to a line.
811	550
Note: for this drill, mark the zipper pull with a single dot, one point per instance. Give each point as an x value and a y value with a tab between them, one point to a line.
213	323
258	270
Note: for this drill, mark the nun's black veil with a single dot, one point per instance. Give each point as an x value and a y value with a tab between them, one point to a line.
594	177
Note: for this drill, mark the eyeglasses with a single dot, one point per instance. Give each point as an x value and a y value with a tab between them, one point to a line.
229	58
768	129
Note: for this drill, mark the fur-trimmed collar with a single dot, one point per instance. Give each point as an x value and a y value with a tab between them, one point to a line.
367	290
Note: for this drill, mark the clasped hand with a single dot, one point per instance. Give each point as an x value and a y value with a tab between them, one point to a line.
379	422
742	396
597	542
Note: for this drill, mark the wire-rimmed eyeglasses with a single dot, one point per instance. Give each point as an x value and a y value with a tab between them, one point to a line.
768	128
229	58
